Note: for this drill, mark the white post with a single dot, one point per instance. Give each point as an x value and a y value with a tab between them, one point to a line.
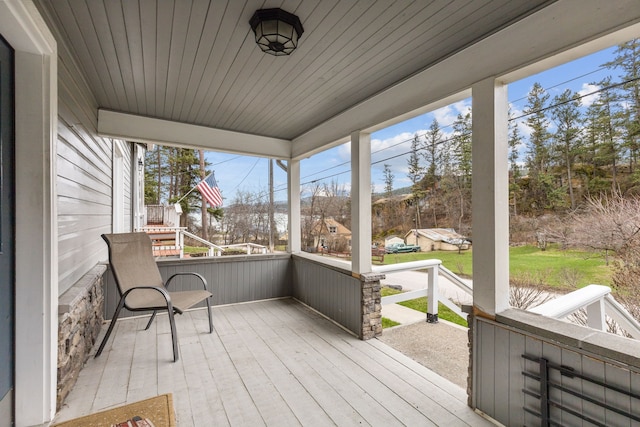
432	295
360	202
490	196
36	264
596	315
293	185
180	242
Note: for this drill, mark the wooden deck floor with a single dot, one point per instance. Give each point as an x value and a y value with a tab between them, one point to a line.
273	363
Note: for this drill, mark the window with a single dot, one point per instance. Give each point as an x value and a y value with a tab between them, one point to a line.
333	229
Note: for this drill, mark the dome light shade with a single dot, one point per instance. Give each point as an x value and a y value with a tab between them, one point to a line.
277	32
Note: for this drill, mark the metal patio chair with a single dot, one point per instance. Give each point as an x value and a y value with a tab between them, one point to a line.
141	287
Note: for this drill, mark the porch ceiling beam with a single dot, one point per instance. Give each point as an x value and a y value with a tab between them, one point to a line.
556	34
131	127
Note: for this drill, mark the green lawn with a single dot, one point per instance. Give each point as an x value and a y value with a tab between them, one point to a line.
388	323
553	267
420	304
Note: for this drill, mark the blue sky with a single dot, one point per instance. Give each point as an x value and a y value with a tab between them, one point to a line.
250	174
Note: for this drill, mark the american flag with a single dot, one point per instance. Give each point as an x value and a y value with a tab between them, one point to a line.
210	191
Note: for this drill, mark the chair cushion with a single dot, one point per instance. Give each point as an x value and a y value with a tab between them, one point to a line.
140	299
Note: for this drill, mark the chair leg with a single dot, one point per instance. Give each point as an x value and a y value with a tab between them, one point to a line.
209	312
113	323
153	316
174	337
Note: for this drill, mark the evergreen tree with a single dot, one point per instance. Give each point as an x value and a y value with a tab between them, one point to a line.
567	146
457	182
606	125
170	173
462	146
388	180
540	183
432	155
515	139
414	173
435	160
627	62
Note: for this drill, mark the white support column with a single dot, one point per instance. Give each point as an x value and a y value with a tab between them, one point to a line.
360	202
36	293
293	185
490	196
36	327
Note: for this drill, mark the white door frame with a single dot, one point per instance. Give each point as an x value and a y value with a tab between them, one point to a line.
117	192
36	227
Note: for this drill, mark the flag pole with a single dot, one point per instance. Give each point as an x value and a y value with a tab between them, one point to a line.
194	187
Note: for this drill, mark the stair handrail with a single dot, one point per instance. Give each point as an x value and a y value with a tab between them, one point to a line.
213	250
622	316
248	246
598	302
456	280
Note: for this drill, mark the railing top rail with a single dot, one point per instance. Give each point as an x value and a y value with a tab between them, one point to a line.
161	228
453	278
254	245
405	266
201	240
566	304
620	314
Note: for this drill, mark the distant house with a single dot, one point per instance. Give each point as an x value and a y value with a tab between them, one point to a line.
390	240
437	239
330	234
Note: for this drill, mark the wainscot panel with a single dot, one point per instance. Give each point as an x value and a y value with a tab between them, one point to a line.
231	279
331	290
571	351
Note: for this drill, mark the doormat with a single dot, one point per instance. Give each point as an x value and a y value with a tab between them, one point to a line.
158	410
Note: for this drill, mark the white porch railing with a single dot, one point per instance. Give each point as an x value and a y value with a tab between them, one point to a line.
212	249
598	302
595	299
161	235
247	247
433	267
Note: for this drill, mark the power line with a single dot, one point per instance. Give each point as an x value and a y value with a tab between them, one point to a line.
248	173
225	161
283	188
469	133
576	98
563	83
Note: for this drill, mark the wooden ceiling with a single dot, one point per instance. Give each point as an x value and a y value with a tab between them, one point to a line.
196	62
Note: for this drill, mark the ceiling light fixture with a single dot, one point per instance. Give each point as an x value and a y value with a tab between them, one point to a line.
277	32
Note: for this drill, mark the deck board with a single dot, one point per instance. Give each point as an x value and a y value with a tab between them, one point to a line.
271	363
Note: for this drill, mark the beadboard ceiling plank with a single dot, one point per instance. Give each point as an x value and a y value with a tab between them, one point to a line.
148	30
164	29
323	94
119	48
180	24
133	31
102	45
80	45
195	45
226	41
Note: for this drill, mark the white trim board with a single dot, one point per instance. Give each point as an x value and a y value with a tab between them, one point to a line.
166	132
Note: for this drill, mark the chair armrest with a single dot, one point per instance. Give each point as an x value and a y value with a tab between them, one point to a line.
162	291
188	273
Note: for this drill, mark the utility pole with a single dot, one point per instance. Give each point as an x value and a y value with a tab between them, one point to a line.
203	208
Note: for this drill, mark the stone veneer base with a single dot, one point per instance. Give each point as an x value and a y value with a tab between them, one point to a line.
80	318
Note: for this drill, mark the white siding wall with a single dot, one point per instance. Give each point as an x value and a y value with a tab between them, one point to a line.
84	180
